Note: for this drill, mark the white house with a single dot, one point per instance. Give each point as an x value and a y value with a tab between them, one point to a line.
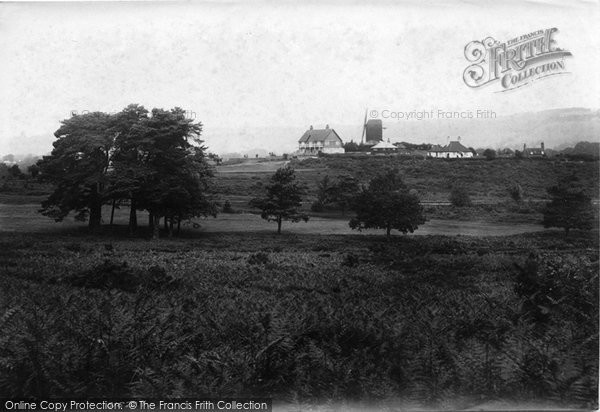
384	147
315	141
452	150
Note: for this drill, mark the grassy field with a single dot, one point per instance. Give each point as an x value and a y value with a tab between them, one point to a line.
24	218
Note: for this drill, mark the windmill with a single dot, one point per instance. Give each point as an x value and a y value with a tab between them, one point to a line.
373	129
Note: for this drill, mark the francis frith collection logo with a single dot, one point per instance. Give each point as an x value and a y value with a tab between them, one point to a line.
516	62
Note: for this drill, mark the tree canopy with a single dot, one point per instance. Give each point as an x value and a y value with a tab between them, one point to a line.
153	161
78	167
282	199
387	204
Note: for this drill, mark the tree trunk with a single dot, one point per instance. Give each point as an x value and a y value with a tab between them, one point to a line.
156	227
178	225
150	221
166	224
132	217
95	215
279	225
388	230
112	212
171	226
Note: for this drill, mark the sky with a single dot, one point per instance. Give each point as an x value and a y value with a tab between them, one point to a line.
257	74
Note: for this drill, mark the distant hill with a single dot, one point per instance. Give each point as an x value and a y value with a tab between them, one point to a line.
584	148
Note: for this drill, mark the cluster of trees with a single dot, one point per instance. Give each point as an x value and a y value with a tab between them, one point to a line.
13	172
385	203
352	146
150	161
338	194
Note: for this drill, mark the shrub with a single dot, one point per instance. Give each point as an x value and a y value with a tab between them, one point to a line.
112	275
259	258
459	197
227	207
490	154
316	206
516	193
351	260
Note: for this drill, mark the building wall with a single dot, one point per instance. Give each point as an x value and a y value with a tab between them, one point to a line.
332	150
450	155
332	141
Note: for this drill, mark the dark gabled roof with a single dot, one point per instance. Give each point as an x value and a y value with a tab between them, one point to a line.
317	135
455	146
436	148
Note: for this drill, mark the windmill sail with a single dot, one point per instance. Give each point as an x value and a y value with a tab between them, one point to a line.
362	139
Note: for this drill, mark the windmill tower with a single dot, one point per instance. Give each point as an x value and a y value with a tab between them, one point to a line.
373	129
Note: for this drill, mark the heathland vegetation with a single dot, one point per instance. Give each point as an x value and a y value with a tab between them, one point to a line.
431	321
406	321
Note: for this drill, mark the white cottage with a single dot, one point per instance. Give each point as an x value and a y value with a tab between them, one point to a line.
453	150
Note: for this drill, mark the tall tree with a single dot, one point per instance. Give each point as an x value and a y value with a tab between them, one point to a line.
174	167
129	172
282	199
570	207
387	204
78	167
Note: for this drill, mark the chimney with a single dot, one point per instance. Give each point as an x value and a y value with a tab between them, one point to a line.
326	126
524	147
311	127
458	138
542	146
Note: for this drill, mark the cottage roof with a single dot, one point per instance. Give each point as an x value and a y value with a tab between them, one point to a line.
455	146
436	148
316	135
384	145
